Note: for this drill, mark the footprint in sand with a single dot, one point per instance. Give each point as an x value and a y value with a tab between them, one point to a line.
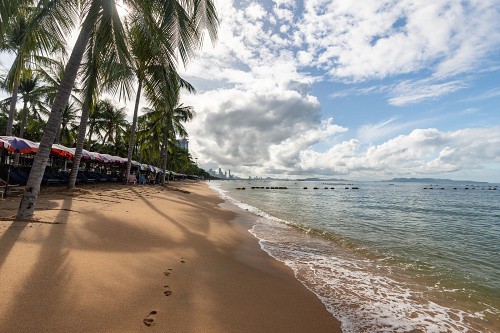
149	320
183	261
167	291
168	272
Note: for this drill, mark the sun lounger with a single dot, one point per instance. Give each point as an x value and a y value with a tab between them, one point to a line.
50	178
18	176
5	187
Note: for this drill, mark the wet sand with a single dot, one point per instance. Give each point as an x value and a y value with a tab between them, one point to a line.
115	258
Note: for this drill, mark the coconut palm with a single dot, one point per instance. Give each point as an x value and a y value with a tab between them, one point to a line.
113	120
8	10
68	128
32	34
153	63
95	13
94	122
105	68
165	122
4	116
182	24
181	160
32	95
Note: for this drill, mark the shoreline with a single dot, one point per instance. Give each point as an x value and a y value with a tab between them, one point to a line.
138	258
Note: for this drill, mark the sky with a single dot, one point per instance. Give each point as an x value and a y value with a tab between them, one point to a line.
359	90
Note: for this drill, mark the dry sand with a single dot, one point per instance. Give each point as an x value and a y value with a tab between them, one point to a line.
114	258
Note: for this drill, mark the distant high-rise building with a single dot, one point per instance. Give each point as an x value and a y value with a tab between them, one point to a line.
183	143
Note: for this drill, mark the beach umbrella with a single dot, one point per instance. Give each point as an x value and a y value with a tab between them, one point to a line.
96	156
105	158
62	151
85	154
20	145
121	159
4	144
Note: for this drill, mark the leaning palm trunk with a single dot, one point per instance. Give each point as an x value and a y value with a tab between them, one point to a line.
57	138
28	202
132	131
24	118
12	110
79	144
165	160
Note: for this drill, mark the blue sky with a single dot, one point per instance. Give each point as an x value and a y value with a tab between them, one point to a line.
363	90
350	89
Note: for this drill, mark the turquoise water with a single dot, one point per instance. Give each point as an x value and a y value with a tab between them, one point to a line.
385	257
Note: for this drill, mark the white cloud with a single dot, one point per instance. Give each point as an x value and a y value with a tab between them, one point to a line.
255	11
423	151
411	92
359	40
237	127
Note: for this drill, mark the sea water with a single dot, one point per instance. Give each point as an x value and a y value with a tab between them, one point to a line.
403	257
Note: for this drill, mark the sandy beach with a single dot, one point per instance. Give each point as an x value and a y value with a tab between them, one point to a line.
115	258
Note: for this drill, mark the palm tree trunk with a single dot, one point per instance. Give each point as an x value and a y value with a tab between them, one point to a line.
12	110
57	138
104	139
28	202
89	143
132	130
79	143
165	144
24	117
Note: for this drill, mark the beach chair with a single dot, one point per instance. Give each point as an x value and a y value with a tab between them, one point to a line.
5	187
80	177
50	178
19	176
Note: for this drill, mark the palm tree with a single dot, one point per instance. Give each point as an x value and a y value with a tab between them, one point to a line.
33	32
29	88
28	202
180	30
165	122
113	121
94	124
33	96
68	128
152	52
181	160
4	116
106	67
8	10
